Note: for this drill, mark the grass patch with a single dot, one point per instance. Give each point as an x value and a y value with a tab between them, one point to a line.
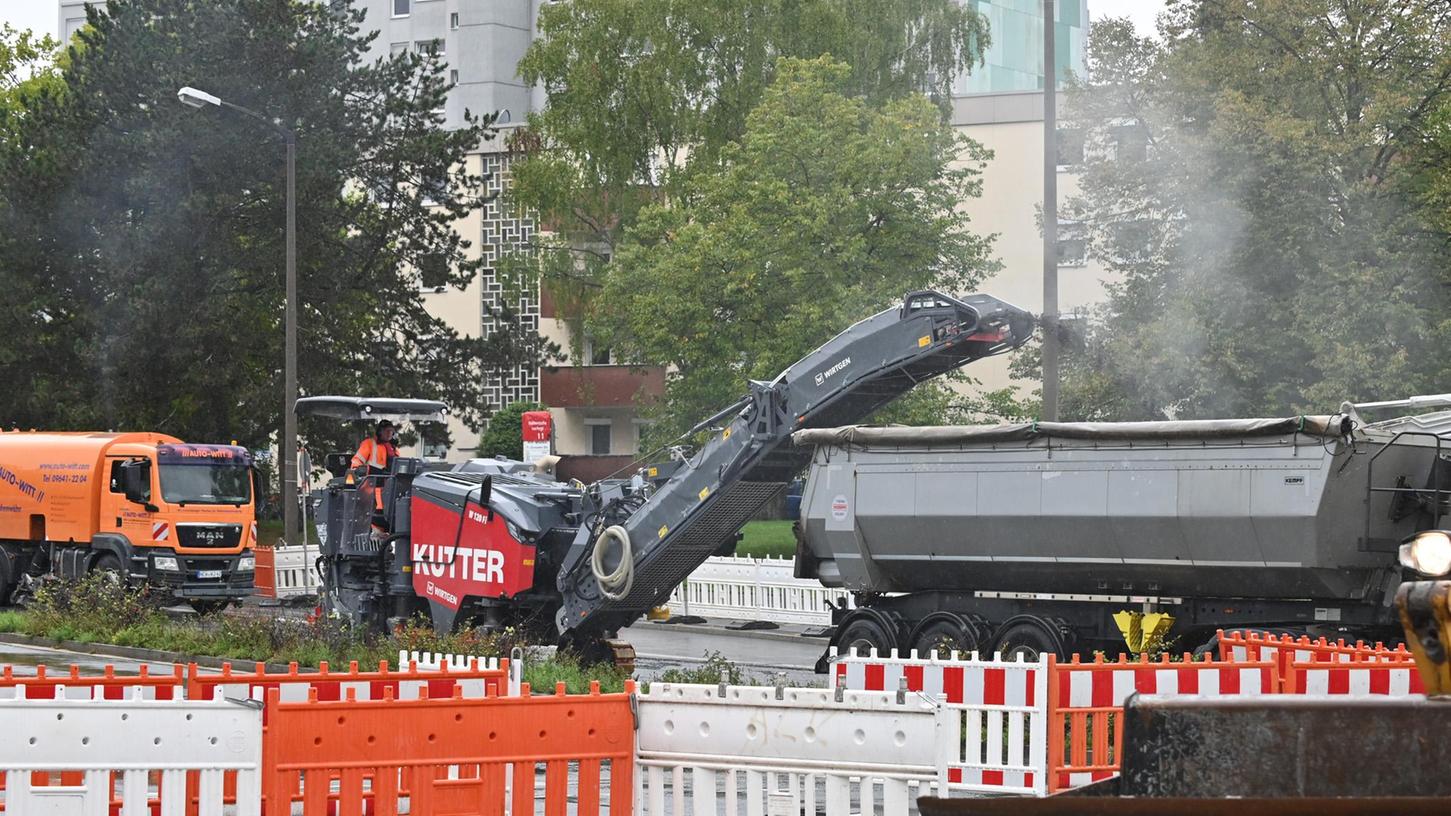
11	621
270	530
767	538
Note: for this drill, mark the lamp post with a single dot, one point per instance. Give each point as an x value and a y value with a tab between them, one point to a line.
288	473
1050	217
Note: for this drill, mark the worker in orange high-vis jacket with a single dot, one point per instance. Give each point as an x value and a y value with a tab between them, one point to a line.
374	459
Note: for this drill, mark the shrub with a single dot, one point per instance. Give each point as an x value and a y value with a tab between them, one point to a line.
715	669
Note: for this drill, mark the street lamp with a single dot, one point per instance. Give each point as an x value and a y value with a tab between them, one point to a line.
201	99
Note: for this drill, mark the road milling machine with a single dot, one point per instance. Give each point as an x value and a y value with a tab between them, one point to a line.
502	543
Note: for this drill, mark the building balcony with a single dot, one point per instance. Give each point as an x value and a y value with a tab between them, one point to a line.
600	386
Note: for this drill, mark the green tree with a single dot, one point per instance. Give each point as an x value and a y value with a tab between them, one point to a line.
644	93
155	231
505	434
829	207
1253	178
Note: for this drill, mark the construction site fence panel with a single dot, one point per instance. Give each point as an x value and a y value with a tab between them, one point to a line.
458	755
1001	706
131	757
1287	650
1085	705
264	576
294	572
435	661
753	751
766	589
1360	677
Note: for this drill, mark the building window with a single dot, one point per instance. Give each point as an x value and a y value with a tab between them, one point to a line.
1070	146
597	353
396	49
599	436
434	46
401	8
1072	243
433	272
453	21
453	76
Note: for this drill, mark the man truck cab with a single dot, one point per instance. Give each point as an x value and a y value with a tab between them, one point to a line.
146	507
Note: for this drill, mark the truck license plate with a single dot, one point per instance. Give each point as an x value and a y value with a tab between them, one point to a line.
209	573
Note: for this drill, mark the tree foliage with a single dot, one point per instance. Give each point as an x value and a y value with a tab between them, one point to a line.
643	94
147	238
829	207
1276	245
505	434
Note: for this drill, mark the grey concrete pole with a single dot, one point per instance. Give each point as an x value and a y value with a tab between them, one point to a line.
1050	218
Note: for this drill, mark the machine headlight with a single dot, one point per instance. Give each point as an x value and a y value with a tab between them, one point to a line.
247	563
1428	552
166	562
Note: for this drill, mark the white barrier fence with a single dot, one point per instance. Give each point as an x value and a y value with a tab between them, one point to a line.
434	661
755	751
292	566
756	589
130	739
1002	707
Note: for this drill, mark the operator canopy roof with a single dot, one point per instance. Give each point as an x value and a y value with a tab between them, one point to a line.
373	408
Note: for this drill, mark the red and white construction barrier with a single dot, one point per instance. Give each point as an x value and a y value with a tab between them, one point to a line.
1002	708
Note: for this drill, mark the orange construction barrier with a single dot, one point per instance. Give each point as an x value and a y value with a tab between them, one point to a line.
1287	650
109	685
1085	705
455	755
406	683
264	579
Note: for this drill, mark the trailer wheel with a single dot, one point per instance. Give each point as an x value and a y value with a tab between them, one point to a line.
1027	637
944	633
864	633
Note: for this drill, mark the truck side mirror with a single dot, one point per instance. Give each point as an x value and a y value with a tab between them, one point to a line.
136	479
256	490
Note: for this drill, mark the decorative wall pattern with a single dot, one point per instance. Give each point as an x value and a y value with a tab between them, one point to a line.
504	228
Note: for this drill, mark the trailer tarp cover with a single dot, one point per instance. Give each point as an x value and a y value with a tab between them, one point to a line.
906	436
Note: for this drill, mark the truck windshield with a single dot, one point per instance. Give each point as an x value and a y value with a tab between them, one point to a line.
206	483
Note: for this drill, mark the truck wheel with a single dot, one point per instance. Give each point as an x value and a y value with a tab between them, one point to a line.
944	633
865	633
109	566
1027	637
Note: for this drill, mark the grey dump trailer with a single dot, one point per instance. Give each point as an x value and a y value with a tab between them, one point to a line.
1030	537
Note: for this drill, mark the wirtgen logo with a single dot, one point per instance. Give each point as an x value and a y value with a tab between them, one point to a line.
826	375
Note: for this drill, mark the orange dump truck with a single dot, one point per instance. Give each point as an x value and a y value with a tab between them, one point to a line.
147	507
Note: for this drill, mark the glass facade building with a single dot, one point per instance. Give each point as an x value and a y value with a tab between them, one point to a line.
1014	61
